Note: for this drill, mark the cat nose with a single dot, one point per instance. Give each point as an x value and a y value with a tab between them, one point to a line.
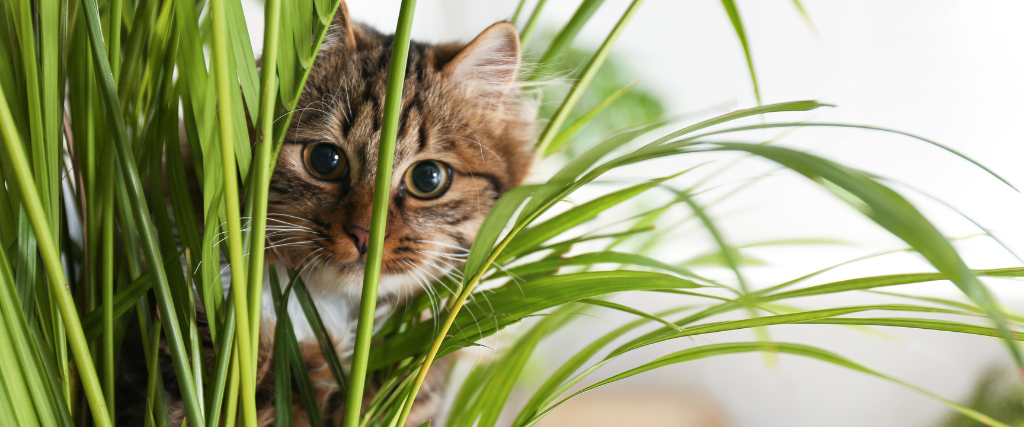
360	237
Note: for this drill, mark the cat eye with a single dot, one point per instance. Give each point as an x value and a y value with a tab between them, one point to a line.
427	179
324	161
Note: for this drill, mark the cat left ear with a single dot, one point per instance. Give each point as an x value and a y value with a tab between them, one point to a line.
488	64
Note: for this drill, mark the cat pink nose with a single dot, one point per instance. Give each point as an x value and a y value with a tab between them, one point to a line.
360	237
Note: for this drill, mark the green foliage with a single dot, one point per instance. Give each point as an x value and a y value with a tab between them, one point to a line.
995	394
632	107
112	127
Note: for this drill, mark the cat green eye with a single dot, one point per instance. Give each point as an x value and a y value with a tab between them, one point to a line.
427	179
324	161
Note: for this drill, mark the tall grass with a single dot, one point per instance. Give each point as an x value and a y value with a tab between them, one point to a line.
92	237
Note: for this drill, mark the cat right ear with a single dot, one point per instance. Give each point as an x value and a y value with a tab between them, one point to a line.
342	30
488	65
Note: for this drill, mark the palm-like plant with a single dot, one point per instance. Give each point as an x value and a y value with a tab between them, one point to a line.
89	117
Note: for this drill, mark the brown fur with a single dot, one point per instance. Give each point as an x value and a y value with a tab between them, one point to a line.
460	107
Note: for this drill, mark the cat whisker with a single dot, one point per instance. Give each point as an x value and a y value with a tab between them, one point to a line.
436	280
456	257
305	244
309	268
435	303
452	292
290	216
447	245
320	269
477	141
394	304
293	228
433	257
349	110
515	279
306	257
286	239
426	251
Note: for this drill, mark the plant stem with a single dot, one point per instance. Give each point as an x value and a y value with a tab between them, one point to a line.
108	284
379	212
432	353
227	142
565	37
263	164
129	178
113	38
531	25
231	409
519	10
51	261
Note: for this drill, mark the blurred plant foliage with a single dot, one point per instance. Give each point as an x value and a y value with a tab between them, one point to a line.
634	105
91	97
998	396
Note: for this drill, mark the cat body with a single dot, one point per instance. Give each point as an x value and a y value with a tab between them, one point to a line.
465	137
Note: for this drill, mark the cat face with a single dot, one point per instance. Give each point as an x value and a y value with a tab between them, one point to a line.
465	137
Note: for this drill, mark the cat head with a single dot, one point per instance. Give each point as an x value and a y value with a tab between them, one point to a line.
465	137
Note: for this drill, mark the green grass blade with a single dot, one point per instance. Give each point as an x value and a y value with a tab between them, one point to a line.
282	357
14	387
545	393
378	216
286	346
590	259
130	175
803	12
519	10
571	242
492	227
510	367
531	25
264	163
864	127
225	361
732	259
555	125
863	283
787	348
508	304
107	290
741	34
569	177
663	334
51	261
928	324
894	213
226	84
244	58
323	338
630	310
546	230
731	255
568	34
29	372
570	131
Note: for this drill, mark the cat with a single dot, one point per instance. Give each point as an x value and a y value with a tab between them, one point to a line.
466	136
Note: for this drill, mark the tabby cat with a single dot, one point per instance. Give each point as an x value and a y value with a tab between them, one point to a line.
466	136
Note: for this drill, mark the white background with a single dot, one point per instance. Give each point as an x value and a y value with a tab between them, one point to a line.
949	71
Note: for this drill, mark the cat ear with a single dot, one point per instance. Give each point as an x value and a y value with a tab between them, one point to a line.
342	30
488	65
